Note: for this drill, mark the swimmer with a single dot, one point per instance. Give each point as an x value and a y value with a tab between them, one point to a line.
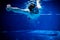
33	8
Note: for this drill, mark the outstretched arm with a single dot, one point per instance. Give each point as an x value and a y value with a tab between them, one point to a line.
16	9
38	4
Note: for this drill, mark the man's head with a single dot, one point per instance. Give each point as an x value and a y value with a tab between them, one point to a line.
31	7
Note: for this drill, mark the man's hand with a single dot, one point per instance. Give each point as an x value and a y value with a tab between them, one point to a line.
8	7
38	0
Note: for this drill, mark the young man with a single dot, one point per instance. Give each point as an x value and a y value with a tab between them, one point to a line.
33	8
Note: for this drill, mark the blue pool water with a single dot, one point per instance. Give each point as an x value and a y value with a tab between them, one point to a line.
20	27
33	35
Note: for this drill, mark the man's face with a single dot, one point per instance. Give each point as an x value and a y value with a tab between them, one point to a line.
33	9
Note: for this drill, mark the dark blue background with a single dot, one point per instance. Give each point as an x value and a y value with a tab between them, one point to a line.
11	21
17	22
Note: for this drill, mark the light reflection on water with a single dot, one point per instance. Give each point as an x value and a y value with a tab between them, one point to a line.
35	34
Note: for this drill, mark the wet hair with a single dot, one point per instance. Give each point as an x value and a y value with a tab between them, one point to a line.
31	7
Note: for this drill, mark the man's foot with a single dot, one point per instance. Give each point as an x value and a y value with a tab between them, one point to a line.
8	8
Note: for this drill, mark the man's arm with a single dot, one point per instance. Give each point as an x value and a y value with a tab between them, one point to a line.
16	9
38	4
